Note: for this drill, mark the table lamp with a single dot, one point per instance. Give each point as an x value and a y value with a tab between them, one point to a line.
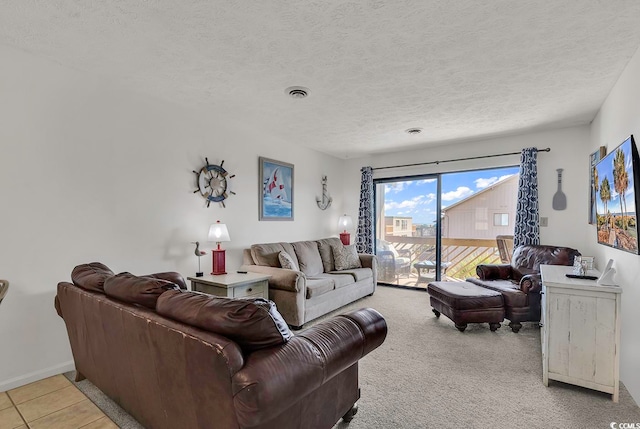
345	223
218	232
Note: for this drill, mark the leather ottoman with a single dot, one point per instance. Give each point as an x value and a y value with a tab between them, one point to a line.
464	302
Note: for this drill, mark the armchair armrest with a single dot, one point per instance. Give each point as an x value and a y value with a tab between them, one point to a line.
494	271
289	280
276	377
531	283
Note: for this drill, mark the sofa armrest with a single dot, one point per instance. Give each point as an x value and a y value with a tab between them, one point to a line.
289	280
275	378
531	283
367	260
494	271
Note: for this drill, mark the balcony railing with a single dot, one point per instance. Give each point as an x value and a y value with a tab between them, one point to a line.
461	254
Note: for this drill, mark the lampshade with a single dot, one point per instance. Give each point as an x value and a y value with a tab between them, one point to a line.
218	232
345	222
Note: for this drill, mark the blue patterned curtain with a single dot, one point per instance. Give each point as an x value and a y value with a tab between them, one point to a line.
364	237
527	229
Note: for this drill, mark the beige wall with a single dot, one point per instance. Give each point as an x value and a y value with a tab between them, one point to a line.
618	118
89	172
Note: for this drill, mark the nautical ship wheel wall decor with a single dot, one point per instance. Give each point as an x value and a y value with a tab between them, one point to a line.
213	182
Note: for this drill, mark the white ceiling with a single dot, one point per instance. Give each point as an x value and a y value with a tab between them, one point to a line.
458	69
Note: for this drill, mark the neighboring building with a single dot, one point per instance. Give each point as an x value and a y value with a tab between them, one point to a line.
485	214
399	226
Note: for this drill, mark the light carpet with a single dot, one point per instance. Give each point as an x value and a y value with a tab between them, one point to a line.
427	374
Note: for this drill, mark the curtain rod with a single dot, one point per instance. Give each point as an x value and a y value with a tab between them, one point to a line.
458	159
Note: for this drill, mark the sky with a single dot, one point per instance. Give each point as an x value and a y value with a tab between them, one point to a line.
605	169
417	198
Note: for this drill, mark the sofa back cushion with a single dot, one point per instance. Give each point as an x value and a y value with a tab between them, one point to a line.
528	258
137	290
326	252
253	323
266	254
91	276
308	256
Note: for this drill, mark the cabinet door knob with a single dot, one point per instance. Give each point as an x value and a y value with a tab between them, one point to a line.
249	290
541	324
541	292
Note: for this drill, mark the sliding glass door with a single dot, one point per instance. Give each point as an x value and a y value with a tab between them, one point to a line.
440	227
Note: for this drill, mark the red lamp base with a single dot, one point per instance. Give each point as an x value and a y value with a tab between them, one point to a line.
345	237
218	262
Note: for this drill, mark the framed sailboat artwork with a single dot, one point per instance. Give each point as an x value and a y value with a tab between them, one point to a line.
276	189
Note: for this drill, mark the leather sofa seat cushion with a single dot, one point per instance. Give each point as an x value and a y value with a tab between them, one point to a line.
137	290
266	254
253	323
309	259
357	273
91	276
513	296
317	286
325	246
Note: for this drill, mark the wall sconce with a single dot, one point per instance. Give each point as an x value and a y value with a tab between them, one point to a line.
218	233
345	223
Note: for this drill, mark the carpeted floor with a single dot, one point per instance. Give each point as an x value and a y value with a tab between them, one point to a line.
427	374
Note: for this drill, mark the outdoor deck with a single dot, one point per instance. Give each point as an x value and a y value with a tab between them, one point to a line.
460	255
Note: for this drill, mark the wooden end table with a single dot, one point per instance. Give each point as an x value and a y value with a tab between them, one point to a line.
233	285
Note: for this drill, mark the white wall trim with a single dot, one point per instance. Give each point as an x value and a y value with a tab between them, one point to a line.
36	375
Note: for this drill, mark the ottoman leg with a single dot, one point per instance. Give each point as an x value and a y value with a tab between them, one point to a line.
515	326
436	312
494	326
461	327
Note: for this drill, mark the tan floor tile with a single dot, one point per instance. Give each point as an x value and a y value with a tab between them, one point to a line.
103	423
10	419
5	402
39	388
50	403
75	416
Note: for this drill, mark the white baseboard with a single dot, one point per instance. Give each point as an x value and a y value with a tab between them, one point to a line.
36	375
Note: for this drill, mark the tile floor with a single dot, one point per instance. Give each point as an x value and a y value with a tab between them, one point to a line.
52	403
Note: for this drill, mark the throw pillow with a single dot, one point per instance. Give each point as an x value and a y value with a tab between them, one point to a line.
253	323
346	257
286	261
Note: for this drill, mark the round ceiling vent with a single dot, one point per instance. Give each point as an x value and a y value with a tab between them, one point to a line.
297	91
413	131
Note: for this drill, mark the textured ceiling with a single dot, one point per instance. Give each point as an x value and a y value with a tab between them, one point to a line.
457	69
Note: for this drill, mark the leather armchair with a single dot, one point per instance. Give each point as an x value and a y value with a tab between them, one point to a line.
519	282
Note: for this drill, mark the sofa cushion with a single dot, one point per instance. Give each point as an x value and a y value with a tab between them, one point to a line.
339	278
317	286
266	254
137	290
91	276
253	323
326	252
287	262
308	256
346	257
357	273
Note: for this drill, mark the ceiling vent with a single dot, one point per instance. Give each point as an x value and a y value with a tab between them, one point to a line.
413	131
297	92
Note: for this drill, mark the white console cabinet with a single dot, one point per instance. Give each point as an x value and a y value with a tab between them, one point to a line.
580	331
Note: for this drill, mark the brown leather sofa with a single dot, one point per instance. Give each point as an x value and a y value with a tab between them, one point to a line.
179	359
519	282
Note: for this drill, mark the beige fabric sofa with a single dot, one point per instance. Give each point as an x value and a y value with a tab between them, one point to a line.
316	288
